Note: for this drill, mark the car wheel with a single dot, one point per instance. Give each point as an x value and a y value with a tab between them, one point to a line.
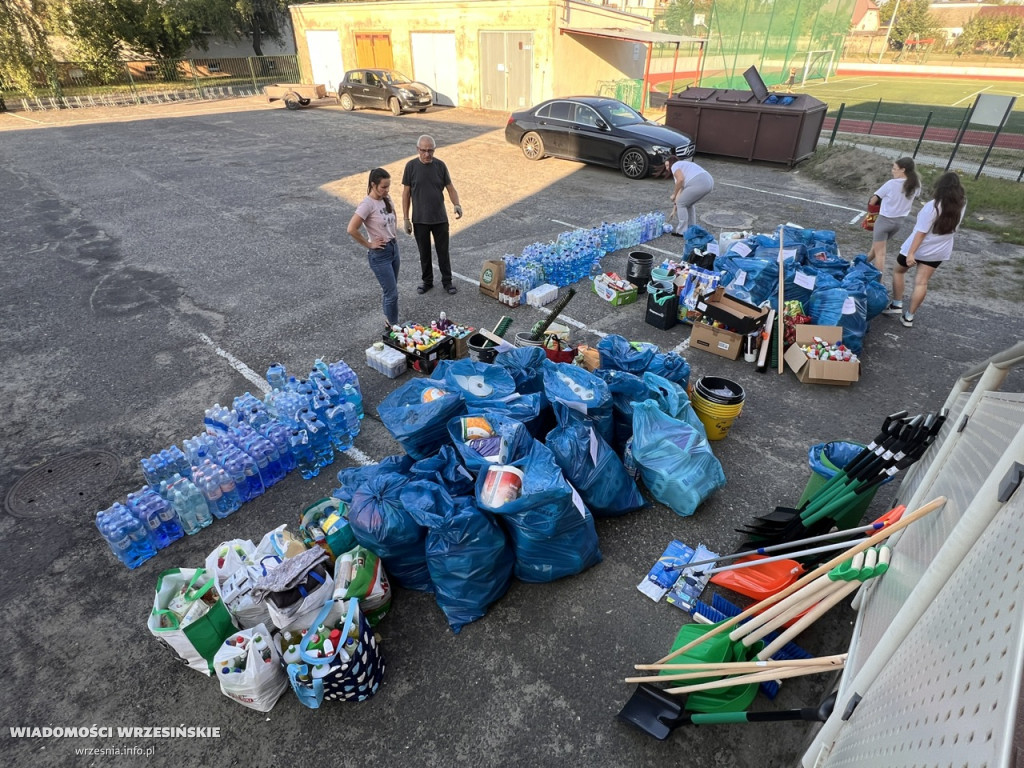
634	163
346	102
533	146
394	106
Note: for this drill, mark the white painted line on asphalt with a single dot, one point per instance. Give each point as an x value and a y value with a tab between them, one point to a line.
858	217
850	90
790	197
356	455
254	378
566	224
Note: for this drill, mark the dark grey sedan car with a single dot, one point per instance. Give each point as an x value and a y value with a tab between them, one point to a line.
383	89
595	130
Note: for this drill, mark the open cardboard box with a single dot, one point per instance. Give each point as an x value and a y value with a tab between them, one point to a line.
717	341
737	315
810	371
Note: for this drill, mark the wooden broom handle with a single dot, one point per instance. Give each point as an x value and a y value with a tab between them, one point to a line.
757	677
821	570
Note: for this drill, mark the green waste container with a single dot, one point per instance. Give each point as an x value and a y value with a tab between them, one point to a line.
825	459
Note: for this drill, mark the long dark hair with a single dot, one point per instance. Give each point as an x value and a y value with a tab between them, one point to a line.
377	175
950	199
912	183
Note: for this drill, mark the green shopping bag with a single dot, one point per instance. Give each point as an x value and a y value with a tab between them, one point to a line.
189	615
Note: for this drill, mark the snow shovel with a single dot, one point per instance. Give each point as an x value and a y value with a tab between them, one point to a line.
658	713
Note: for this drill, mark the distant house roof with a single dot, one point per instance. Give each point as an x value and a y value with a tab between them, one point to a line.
1002	10
861	8
954	16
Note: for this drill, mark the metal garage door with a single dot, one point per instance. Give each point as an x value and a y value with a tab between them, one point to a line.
506	70
434	63
325	57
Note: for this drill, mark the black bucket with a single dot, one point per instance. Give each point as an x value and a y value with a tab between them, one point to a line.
480	349
718	390
638	269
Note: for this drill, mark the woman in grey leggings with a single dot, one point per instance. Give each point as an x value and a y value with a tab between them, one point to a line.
692	184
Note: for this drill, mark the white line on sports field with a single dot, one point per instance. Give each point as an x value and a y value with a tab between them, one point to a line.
850	90
970	96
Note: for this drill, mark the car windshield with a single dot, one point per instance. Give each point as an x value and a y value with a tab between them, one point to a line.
394	78
618	115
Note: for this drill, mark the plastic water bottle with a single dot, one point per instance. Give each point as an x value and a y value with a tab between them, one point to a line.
128	539
231	463
352	396
277	377
244	403
279	435
169	522
319	439
196	502
338	426
228	491
305	460
333	393
149	516
171	491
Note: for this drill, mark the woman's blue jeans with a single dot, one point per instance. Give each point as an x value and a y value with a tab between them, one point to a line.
384	262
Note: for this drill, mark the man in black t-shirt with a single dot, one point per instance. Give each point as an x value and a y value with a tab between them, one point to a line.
423	184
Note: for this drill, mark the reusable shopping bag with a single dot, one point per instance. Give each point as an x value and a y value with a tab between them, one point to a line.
249	669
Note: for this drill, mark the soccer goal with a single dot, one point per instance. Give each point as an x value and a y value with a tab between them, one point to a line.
817	66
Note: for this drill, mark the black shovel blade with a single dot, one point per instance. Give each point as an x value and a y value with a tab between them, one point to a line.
653	711
779	516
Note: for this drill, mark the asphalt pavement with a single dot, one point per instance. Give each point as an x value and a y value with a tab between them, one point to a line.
157	260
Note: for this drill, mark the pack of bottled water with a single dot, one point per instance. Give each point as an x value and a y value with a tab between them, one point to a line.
242	452
576	254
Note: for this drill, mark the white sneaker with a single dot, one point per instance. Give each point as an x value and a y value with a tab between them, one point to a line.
893	309
907	321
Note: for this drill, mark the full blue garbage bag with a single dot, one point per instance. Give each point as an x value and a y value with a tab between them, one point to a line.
523	365
626	389
696	237
673	401
802	280
583	391
591	466
676	462
524	408
842	307
352	477
672	366
476	381
380	523
750	278
551	537
515	439
618	354
468	555
824	257
839	453
863	272
420	427
445	468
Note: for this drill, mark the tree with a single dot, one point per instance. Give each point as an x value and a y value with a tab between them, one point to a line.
1003	34
913	21
26	61
678	17
252	19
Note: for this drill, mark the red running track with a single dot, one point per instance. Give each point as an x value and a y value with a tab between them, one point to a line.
947	135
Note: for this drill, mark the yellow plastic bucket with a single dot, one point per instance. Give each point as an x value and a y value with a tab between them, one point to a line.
717	402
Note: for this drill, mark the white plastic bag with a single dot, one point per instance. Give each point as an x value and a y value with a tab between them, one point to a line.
250	670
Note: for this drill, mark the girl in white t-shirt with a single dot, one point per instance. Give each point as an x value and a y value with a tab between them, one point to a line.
895	197
376	213
692	184
930	244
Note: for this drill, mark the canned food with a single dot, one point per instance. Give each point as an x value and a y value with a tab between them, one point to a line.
502	484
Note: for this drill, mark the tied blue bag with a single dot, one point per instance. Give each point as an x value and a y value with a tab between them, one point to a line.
416	414
468	555
672	366
591	466
523	365
581	390
512	436
676	462
626	389
523	408
673	400
352	477
617	354
445	469
380	523
551	536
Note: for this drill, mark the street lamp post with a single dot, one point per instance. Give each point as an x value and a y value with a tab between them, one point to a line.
888	31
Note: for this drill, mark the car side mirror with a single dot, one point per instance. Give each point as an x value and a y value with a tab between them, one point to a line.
602	125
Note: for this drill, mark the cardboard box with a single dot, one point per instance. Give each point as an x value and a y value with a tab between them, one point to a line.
591	357
608	289
737	315
717	341
492	272
810	371
425	360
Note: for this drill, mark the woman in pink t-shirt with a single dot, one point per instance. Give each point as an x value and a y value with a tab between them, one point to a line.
376	214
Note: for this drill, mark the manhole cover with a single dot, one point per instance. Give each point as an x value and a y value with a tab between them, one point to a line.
66	484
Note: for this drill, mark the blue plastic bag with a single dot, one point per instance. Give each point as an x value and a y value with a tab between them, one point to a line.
445	468
468	555
581	390
551	536
380	523
591	466
523	365
513	436
352	477
829	307
751	275
617	354
420	427
673	401
476	381
524	408
626	389
865	274
676	462
672	366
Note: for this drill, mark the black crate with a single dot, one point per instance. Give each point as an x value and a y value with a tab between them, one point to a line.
425	361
